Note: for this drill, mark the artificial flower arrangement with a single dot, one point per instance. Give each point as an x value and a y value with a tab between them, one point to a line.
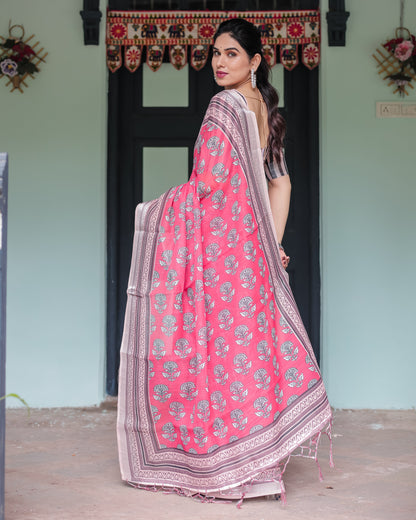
405	52
399	64
18	59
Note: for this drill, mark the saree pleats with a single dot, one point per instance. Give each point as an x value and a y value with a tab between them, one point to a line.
218	381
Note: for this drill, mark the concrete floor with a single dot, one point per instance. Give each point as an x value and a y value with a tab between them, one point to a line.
62	464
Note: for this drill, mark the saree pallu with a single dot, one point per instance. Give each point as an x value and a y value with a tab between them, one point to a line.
218	382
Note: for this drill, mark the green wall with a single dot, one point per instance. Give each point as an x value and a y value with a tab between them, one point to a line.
55	133
368	187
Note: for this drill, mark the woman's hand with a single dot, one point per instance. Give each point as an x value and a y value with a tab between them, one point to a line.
279	196
283	256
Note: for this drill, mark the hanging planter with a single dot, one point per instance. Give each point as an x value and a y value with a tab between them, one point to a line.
396	60
18	59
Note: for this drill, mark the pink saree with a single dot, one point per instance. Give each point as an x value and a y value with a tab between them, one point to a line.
218	383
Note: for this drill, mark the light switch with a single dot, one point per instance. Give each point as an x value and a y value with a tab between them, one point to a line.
395	109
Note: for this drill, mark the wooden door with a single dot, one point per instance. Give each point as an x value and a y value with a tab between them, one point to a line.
135	128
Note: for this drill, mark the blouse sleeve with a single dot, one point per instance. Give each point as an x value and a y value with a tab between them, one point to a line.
273	169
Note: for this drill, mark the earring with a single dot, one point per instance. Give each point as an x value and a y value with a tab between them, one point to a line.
253	78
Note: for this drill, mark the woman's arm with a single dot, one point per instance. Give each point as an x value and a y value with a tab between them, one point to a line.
279	196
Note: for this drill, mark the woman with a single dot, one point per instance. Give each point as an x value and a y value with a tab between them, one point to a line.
218	381
237	65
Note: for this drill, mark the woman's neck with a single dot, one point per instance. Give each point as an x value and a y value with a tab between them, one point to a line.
248	91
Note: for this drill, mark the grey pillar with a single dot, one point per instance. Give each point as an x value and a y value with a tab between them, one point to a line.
3	272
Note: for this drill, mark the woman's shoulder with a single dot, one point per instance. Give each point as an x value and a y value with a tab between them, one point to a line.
231	97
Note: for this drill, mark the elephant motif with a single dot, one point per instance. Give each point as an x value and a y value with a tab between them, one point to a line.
149	30
289	53
113	52
266	29
155	54
177	30
199	55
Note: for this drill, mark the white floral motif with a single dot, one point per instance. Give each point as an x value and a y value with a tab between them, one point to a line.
263	351
232	238
247	307
158	349
294	378
211	277
169	432
220	429
238	419
243	335
262	322
227	292
172	280
169	325
249	250
218	226
219	200
160	303
236	183
220	173
225	319
177	409
183	349
200	436
231	264
166	259
209	304
213	252
189	322
196	364
236	210
188	391
262	378
161	393
239	393
241	364
170	370
203	410
222	347
221	375
217	401
249	224
289	351
262	407
248	278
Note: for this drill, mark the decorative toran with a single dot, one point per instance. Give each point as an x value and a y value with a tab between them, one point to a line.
132	31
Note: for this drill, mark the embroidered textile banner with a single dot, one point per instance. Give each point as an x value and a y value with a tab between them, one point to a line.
132	31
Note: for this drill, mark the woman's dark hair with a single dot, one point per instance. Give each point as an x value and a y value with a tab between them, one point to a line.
249	37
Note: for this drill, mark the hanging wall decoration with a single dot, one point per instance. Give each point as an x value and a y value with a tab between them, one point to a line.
19	60
396	58
191	32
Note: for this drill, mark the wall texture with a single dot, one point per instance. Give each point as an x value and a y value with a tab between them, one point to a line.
55	134
368	186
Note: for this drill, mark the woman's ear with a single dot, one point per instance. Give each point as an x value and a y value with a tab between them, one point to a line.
255	61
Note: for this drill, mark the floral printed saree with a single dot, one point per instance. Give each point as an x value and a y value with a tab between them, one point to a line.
218	383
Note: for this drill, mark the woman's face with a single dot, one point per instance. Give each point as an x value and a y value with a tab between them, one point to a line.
230	62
